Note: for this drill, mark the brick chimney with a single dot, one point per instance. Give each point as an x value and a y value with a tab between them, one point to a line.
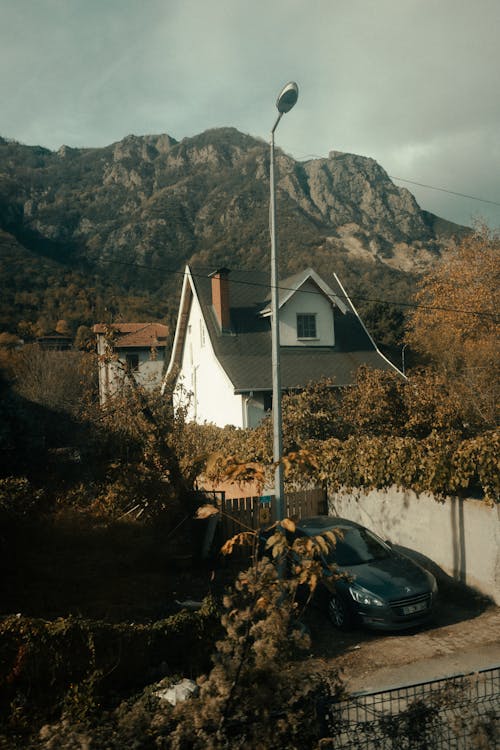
220	297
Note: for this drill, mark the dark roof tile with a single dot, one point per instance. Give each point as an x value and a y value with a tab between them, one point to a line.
245	352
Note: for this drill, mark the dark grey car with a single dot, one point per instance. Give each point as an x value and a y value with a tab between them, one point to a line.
381	588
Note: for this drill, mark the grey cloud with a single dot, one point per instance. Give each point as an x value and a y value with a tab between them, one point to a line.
411	84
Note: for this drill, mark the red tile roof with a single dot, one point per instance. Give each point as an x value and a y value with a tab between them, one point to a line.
135	335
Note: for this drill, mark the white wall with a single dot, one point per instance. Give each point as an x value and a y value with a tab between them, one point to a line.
461	536
113	373
212	397
254	408
308	299
150	370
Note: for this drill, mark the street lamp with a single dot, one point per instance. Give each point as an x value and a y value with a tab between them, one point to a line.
284	103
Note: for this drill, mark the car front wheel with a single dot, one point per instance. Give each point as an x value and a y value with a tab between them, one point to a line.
339	613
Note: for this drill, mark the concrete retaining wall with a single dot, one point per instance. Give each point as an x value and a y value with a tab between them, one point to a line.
460	536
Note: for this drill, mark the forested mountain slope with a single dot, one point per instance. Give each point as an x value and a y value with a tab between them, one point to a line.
104	233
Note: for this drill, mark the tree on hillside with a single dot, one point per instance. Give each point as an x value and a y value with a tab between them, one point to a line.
8	342
63	328
84	339
456	322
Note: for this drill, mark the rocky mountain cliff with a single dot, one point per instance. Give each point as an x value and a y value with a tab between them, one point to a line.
133	213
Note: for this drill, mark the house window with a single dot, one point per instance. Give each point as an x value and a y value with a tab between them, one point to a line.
268	401
132	362
306	326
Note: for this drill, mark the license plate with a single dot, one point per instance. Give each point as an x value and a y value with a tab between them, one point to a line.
411	608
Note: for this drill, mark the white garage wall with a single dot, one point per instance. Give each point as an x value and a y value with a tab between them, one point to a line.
462	536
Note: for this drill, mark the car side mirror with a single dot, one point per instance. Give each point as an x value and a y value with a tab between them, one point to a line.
389	543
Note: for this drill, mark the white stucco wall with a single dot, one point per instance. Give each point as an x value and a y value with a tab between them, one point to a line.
113	374
461	536
210	393
254	407
150	370
308	300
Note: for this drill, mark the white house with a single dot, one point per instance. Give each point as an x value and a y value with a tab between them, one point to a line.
221	356
129	349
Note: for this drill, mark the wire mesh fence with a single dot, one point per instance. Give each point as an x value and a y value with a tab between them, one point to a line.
456	713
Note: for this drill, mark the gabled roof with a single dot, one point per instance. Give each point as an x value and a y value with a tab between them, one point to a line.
290	285
245	352
135	335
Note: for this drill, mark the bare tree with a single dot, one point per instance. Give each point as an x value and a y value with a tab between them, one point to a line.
55	379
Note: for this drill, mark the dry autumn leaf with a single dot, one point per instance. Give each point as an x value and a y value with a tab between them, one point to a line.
205	511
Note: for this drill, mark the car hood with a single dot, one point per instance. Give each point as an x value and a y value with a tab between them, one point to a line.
394	577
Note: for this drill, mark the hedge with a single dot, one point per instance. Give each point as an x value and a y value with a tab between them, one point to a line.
441	464
48	664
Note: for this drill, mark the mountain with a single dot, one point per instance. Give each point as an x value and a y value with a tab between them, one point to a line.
89	234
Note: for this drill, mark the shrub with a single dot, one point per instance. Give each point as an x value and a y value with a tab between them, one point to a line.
17	497
77	665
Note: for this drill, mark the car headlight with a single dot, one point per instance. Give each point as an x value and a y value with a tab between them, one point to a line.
434	586
362	596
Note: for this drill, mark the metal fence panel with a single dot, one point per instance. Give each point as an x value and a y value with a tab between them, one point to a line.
457	713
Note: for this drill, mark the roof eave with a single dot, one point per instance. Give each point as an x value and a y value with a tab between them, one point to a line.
187	294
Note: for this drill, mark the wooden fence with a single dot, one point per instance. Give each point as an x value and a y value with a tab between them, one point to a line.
251	513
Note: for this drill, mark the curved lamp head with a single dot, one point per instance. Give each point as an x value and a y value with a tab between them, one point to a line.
287	97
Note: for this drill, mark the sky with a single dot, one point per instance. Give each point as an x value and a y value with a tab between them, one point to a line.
413	84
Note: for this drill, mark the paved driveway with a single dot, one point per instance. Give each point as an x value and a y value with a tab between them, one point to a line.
464	637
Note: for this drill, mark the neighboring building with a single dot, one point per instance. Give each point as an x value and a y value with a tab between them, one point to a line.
128	350
55	341
221	356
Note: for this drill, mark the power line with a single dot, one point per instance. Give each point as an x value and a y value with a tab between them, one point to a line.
445	190
393	303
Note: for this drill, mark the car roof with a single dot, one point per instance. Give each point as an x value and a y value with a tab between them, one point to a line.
319	524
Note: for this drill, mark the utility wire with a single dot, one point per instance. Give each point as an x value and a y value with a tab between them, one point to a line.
358	298
445	190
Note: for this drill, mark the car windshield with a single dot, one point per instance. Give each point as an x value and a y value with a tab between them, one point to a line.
357	546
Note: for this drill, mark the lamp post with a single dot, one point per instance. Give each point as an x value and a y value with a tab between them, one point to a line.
284	103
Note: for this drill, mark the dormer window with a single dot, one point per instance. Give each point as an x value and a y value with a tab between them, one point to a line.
306	326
